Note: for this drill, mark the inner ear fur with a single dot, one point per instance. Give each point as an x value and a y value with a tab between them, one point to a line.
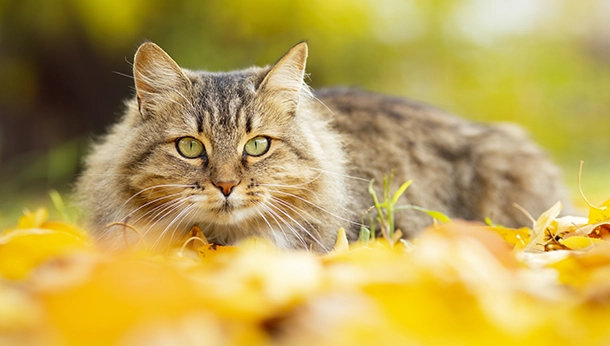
155	73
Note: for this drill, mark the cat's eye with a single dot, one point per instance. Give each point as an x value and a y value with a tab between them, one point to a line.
257	146
190	147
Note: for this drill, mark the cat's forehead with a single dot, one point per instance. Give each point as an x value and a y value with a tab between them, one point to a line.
222	101
222	94
226	86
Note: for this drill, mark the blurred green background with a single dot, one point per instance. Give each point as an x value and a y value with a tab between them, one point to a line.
64	67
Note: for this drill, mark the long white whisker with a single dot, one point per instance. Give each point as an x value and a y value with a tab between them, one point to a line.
147	189
262	215
190	212
340	174
275	235
279	221
295	231
164	206
294	209
176	220
169	209
305	230
126	217
322	103
318	207
303	184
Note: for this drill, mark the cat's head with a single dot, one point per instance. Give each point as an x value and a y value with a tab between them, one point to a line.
235	153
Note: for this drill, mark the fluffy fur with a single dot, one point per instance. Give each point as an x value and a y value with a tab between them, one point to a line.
313	179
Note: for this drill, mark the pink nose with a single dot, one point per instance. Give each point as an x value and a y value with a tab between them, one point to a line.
226	187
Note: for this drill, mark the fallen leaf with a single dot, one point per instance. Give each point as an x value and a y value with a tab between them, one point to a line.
599	214
579	242
541	227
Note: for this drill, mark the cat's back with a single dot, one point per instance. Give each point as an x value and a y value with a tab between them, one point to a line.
462	168
381	119
384	133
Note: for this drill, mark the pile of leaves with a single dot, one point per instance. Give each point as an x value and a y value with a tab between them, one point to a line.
458	283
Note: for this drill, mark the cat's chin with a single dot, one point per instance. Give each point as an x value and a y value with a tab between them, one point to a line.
234	216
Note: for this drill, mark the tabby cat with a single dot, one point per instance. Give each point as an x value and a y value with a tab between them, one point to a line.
255	152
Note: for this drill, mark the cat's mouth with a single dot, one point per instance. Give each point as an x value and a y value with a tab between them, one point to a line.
225	208
229	213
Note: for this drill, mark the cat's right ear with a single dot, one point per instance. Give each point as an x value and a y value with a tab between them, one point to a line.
155	74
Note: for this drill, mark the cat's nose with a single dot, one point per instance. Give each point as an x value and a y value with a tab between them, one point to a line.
226	187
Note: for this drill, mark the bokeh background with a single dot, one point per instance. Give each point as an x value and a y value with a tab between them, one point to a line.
65	66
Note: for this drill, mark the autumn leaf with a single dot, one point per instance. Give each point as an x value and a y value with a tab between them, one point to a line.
513	236
64	290
579	242
601	231
596	214
341	244
36	240
588	271
599	214
542	226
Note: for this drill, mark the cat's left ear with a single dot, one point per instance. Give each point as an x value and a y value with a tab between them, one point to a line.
285	79
156	74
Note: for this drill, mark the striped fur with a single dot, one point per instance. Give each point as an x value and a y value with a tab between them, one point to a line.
312	180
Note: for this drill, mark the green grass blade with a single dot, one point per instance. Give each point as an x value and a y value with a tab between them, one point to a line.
433	213
400	191
365	235
59	204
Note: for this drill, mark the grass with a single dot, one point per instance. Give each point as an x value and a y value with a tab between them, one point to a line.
384	218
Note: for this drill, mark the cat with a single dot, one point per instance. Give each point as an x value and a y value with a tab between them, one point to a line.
255	152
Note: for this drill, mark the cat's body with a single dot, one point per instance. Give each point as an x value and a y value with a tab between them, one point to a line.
252	153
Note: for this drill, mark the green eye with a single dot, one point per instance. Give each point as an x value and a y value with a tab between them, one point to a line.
190	147
257	146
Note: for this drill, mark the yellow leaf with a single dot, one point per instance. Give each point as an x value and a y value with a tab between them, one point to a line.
579	242
541	225
588	270
33	219
208	250
22	250
18	311
341	244
601	231
513	236
118	294
599	214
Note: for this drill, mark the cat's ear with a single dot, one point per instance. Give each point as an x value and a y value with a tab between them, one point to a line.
155	74
285	79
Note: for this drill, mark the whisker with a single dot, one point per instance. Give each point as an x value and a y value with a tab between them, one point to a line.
294	230
262	215
147	204
307	231
278	221
161	215
164	206
175	221
148	189
187	211
294	209
303	184
322	103
318	207
123	74
279	240
340	174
